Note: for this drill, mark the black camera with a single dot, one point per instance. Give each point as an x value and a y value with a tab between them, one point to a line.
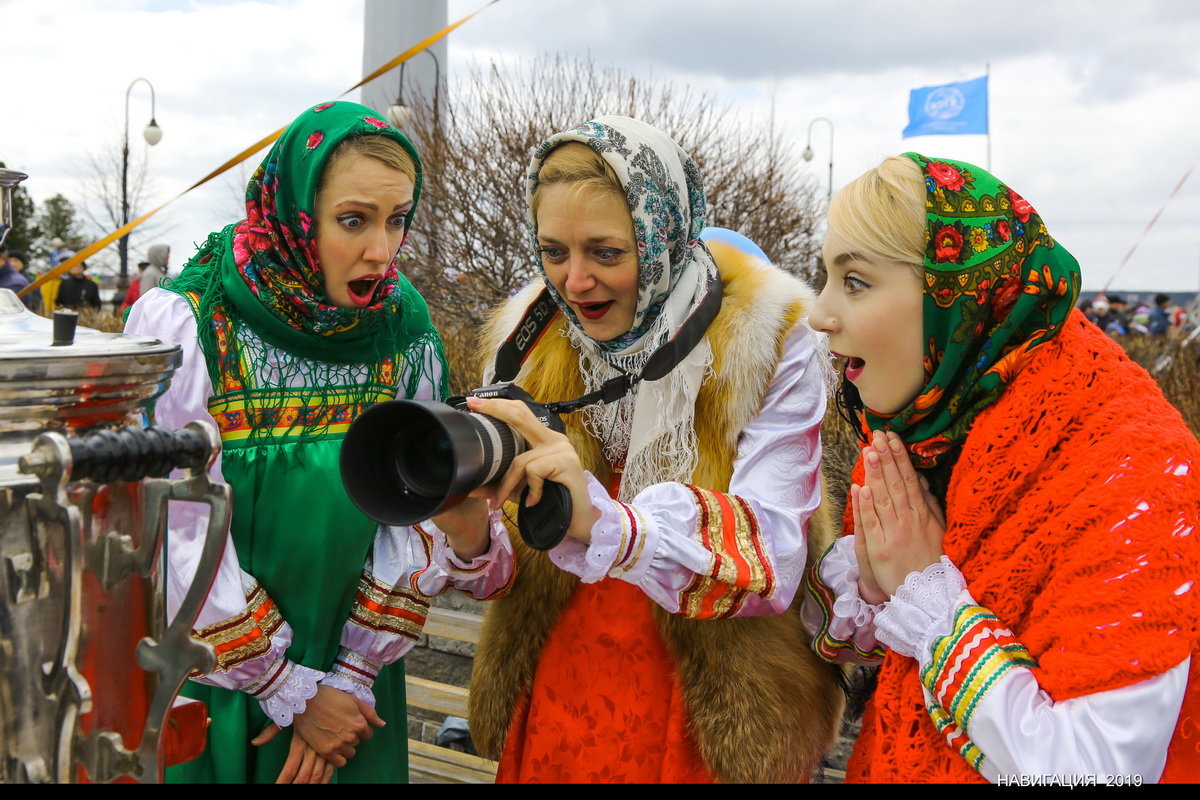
403	461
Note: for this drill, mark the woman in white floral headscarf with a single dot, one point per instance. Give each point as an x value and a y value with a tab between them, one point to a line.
655	643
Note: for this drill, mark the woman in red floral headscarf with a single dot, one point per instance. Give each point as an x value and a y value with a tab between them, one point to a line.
1020	545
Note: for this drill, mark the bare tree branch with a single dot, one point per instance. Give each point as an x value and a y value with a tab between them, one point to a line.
101	208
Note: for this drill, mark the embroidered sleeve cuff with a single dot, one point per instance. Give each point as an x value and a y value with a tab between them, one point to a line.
285	690
840	621
967	663
388	612
485	577
247	645
353	674
839	571
739	564
922	610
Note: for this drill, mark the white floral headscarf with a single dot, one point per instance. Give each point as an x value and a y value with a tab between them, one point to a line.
652	430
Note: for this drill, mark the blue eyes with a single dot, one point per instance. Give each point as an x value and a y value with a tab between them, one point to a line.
604	255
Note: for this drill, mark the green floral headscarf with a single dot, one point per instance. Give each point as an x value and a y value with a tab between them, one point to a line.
996	287
264	273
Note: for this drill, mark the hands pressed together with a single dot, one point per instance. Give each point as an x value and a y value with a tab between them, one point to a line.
898	524
325	736
550	457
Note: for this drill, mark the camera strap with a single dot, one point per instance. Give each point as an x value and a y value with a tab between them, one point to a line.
541	312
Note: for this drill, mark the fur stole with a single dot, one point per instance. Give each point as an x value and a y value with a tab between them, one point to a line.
761	705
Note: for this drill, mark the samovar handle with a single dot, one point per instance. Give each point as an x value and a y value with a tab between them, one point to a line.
177	655
130	454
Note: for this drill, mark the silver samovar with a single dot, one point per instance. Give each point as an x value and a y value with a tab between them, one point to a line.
90	669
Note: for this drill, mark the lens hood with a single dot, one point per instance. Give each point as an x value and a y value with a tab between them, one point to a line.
403	461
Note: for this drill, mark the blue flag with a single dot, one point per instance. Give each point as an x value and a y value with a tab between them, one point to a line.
948	109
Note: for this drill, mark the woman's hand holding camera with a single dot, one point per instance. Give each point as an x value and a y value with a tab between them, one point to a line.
899	524
550	457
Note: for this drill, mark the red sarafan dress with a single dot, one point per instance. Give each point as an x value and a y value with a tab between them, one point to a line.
631	698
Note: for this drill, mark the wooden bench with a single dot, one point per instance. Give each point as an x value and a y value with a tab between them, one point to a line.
428	763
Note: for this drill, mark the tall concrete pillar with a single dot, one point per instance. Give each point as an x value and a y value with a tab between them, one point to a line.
391	27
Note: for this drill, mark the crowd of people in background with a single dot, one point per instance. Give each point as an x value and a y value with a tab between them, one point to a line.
1112	314
12	276
77	289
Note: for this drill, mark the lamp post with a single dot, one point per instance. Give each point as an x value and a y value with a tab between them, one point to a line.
398	113
808	151
152	134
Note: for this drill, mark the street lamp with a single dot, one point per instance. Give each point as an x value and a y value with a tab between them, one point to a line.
808	151
398	113
153	135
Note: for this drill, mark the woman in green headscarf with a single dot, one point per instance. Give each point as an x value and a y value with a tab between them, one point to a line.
292	321
1019	550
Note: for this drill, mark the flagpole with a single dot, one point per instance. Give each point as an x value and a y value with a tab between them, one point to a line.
987	71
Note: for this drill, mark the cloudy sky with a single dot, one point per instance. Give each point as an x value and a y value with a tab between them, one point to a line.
1095	104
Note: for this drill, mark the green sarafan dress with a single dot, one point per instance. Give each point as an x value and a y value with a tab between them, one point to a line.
300	537
317	592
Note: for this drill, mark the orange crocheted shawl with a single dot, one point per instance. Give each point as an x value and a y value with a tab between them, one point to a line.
1074	515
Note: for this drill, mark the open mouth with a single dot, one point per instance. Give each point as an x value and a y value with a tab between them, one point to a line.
362	290
594	311
853	365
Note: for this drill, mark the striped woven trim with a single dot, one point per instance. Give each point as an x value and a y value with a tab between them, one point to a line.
633	539
388	609
828	646
245	636
351	665
272	680
426	545
956	736
727	529
290	415
969	660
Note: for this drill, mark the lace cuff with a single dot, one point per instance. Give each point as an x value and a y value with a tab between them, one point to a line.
922	610
354	675
285	690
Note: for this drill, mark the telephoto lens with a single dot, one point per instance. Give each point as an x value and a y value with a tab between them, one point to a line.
404	461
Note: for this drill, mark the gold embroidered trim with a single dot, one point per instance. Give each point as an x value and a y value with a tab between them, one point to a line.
389	610
728	529
245	636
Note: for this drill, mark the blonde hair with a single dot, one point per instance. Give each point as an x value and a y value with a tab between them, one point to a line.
383	149
575	163
882	212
